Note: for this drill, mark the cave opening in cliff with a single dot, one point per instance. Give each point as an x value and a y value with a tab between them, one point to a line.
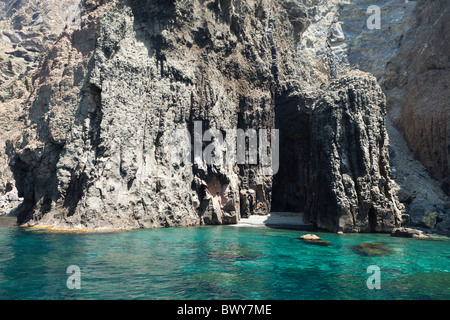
25	189
74	193
372	219
291	183
95	117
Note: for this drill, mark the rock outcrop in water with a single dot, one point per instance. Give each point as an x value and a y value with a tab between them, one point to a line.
107	97
408	233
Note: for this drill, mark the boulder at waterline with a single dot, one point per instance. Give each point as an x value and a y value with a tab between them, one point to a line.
408	233
314	239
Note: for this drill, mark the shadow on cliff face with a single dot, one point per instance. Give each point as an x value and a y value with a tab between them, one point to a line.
214	36
310	167
334	164
298	184
34	174
35	162
291	183
151	18
11	7
25	189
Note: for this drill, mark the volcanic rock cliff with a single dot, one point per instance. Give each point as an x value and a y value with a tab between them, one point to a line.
28	30
97	149
408	54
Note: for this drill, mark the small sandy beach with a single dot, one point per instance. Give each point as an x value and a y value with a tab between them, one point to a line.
282	220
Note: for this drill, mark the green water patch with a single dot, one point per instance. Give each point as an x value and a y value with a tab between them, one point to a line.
316	242
234	284
234	253
220	262
422	285
372	249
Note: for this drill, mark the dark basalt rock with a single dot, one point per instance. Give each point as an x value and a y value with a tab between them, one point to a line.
336	164
97	151
408	233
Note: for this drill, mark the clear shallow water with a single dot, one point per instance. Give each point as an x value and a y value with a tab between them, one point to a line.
221	262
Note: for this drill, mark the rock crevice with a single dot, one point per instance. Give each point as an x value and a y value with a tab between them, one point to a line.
98	150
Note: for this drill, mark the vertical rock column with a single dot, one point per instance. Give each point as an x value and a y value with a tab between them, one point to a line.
338	170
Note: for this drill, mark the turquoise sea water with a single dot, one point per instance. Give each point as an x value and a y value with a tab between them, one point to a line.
222	262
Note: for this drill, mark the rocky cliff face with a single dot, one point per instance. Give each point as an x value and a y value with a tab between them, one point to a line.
98	147
100	157
407	56
425	112
27	31
334	155
109	95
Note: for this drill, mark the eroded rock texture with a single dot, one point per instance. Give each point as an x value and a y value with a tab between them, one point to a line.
109	95
408	55
105	116
336	167
27	31
425	112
